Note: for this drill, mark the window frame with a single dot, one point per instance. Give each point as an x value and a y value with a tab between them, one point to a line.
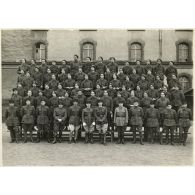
34	50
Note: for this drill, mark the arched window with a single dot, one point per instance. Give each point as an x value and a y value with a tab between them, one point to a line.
40	51
183	52
185	83
87	51
135	52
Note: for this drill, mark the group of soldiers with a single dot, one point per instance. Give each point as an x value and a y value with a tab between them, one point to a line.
97	96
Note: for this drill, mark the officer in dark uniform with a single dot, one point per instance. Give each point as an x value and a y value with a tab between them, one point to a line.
17	99
129	85
116	84
21	90
113	66
12	117
132	99
69	84
60	115
159	69
93	76
108	75
98	92
28	81
47	92
121	121
87	65
62	76
169	123
24	66
79	76
111	91
102	82
170	70
29	97
88	120
86	86
101	121
139	68
38	77
136	115
43	117
54	68
134	77
35	89
44	66
152	117
184	116
40	98
100	66
53	83
28	119
74	66
93	99
127	69
47	76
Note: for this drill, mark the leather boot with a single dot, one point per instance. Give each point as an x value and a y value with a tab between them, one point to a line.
172	139
180	139
60	137
12	136
185	138
86	137
167	139
38	137
17	136
25	137
91	137
152	136
141	139
119	136
134	136
75	136
70	137
31	137
104	137
100	138
122	137
55	140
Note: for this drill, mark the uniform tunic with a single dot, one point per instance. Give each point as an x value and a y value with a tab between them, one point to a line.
54	69
47	77
136	116
35	91
98	93
79	77
170	70
59	113
43	115
74	115
60	92
116	84
108	76
129	85
127	69
93	100
40	98
177	98
47	93
28	114
158	84
53	84
131	100
88	116
27	83
153	93
100	67
169	117
62	77
117	100
17	100
134	78
152	117
32	100
12	116
38	78
143	84
113	67
184	116
87	86
108	103
139	69
101	115
93	76
121	116
159	70
103	83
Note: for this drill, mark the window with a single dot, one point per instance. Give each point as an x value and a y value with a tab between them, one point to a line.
184	81
135	52
40	51
183	52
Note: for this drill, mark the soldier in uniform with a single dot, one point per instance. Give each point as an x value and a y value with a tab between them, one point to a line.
47	92
152	93
170	70
177	98
121	121
38	77
139	93
60	115
93	76
113	66
74	92
152	118
21	90
127	69
108	75
143	83
40	98
88	121
81	99
21	77
28	81
74	66
100	66
111	91
69	84
43	117
184	116
101	121
158	84
65	67
74	115
98	91
102	82
28	119
159	69
129	85
174	82
118	99
139	68
87	65
124	93
79	76
34	89
136	115
32	67
169	119
24	66
54	68
47	76
132	99
17	99
121	76
148	67
62	76
29	97
43	67
134	77
150	78
86	86
93	99
116	84
12	117
53	83
60	92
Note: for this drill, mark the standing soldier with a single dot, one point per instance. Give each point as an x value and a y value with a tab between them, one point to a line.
116	84
108	75
65	67
21	90
60	92
62	76
129	85
24	66
100	66
152	118
74	66
54	68
184	116
159	69
93	76
143	83
29	97
93	99
118	99
60	115
43	116
111	91
21	77
148	67
87	65
132	99
17	99
47	92
121	76
47	76
74	115
88	121
69	83
28	119
102	82
169	123
35	89
40	98
127	69
136	120
87	86
53	83
12	116
113	66
121	121
28	81
101	121
139	68
170	70
98	91
43	67
38	77
139	93
134	77
79	76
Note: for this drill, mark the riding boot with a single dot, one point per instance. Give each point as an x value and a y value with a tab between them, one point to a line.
70	137
25	137
141	138
134	136
152	136
100	138
60	136
48	137
86	137
12	136
91	137
122	137
104	137
31	137
119	136
75	136
167	138
38	137
185	138
17	136
55	138
172	139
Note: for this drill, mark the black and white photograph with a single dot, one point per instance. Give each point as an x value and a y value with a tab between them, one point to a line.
97	97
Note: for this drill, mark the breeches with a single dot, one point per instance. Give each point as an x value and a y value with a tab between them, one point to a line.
88	129
27	127
183	129
102	128
137	128
58	127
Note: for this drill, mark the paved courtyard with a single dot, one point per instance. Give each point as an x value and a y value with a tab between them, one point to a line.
64	154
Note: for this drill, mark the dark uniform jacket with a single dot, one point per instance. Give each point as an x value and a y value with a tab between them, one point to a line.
74	115
27	83
47	93
127	69
35	91
158	84
32	100
101	115
53	102
21	91
24	67
28	114
68	84
134	78
152	117
177	98
136	115
62	77
174	83
87	67
60	92
100	67
21	78
98	93
81	100
169	117
17	100
121	116
43	68
66	67
131	100
40	98
116	84
79	77
67	102
143	84
153	93
162	103
103	83
87	86
12	116
59	113
139	94
54	69
145	103
108	103
38	78
125	94
139	69
93	76
47	77
108	76
93	100
150	78
184	116
111	92
74	67
121	77
113	67
170	70
88	116
53	84
117	100
129	85
43	115
147	68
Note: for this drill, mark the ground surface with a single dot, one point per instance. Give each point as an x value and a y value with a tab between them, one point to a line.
64	154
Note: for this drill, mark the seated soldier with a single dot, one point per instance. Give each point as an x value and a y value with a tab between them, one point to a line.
170	70
21	77
21	90
86	86
68	84
132	99
121	76
113	66
28	81
38	77
53	83
47	92
34	89
81	99
79	76
93	99
93	76
174	81
134	77
139	93
128	84
127	69
17	99
103	83
143	83
62	76
116	84
30	98
24	66
100	66
139	68
152	93
111	91
98	91
54	68
60	92
150	78
47	76
108	75
158	84
74	92
124	93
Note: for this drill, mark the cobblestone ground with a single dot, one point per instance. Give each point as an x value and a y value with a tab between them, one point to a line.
64	154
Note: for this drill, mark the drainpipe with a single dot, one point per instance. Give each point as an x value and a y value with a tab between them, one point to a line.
160	43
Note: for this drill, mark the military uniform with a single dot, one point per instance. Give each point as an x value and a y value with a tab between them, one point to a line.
147	68
170	70
32	100
174	83
87	86
74	68
88	119
21	92
53	84
136	115
66	68
139	94
143	84
28	120
35	91
169	123
129	85
121	121
134	78
40	98
54	69
111	92
87	67
60	92
43	118
158	84
103	83
93	100
153	93
43	68
139	69
101	122
121	77
159	70
46	78
152	117
131	100
108	76
59	114
177	98
98	93
21	78
62	77
117	100
116	84
113	67
27	83
93	76
79	77
150	78
184	116
38	78
17	99
47	93
125	94
127	69
74	92
25	67
68	84
100	67
12	117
